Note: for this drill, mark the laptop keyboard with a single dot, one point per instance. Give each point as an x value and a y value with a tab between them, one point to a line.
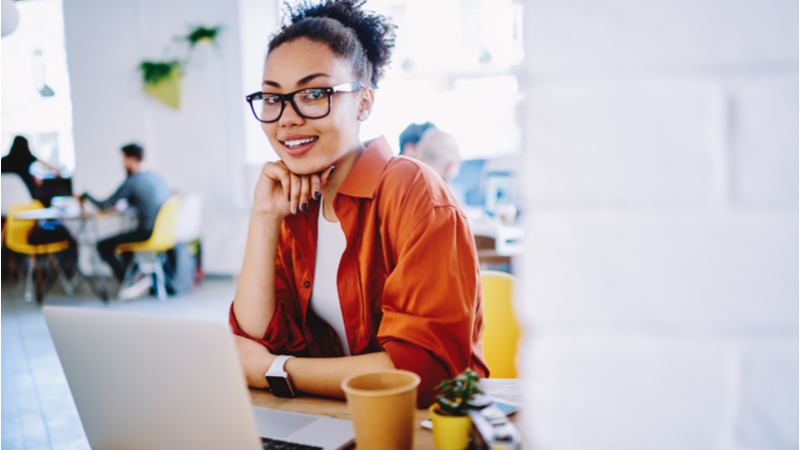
274	444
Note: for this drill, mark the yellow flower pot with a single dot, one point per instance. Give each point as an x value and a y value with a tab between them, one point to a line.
167	90
450	432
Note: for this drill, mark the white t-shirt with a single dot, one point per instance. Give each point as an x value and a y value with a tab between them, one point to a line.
331	243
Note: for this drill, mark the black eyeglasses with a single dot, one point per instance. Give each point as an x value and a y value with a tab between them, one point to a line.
311	103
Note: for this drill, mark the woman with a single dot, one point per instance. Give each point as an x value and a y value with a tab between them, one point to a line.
376	266
19	160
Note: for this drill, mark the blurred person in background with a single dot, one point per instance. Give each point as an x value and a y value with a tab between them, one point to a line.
439	150
411	136
144	191
19	160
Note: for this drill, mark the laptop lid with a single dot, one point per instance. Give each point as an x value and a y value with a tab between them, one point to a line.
158	383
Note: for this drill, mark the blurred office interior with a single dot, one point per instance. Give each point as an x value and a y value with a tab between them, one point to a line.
633	165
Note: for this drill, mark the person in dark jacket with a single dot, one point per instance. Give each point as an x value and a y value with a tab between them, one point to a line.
19	160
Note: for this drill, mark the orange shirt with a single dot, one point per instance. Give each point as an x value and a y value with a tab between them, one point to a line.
408	280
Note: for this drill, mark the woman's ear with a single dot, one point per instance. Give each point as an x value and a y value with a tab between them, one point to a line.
365	104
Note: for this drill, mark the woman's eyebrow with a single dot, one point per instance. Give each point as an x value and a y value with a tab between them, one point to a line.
308	79
302	82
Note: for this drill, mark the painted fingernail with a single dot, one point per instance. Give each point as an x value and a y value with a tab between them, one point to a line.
304	206
289	197
316	195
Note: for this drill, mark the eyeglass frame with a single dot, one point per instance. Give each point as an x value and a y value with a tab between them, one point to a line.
353	86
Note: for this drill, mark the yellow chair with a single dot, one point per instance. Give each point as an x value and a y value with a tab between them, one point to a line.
149	255
501	331
16	239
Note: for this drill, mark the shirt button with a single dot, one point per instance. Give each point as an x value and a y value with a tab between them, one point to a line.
306	284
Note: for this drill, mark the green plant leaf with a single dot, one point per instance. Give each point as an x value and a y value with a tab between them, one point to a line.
456	393
155	71
199	33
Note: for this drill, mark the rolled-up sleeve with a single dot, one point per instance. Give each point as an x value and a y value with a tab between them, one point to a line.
284	334
431	300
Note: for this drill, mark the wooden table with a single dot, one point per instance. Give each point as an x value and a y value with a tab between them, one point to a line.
505	389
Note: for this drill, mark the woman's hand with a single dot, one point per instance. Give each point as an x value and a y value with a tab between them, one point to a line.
279	192
256	360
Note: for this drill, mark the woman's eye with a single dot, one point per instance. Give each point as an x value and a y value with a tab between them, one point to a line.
313	94
271	99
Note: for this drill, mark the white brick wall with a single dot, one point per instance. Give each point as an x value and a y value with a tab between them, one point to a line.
659	146
764	121
664	270
660	282
625	391
570	37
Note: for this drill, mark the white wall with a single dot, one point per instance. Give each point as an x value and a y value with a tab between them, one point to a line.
199	148
660	289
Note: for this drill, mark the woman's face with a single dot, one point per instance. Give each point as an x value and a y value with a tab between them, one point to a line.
311	145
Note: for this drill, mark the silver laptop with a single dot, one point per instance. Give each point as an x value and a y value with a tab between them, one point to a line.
143	382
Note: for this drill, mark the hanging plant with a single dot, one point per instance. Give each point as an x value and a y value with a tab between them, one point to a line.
162	79
202	34
156	71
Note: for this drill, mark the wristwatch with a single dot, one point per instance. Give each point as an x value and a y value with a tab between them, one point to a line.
279	381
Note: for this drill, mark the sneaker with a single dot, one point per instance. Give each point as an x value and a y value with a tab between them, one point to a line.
137	289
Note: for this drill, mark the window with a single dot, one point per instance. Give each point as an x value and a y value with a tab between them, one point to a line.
36	96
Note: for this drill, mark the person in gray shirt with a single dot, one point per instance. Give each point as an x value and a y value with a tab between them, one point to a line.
144	191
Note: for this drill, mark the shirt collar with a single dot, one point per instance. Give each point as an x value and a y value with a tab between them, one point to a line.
366	173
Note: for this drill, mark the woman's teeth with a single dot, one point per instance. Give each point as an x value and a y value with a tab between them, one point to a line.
299	142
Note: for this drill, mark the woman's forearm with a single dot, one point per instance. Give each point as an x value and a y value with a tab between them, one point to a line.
254	303
324	376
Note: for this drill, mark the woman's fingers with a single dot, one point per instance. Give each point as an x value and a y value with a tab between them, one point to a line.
315	186
305	191
325	175
299	190
294	195
318	180
280	173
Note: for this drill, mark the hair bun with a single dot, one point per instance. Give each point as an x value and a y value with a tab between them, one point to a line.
374	31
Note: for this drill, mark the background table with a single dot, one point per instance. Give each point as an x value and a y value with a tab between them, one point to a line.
504	389
84	228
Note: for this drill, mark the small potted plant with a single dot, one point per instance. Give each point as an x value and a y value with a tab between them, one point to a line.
451	424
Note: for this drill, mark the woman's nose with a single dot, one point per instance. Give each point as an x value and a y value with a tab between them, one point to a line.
290	116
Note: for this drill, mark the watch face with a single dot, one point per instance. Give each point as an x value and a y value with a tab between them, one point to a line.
281	387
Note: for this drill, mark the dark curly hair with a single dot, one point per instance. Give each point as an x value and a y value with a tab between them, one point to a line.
363	37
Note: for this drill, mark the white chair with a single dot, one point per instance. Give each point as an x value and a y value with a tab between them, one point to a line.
13	190
190	218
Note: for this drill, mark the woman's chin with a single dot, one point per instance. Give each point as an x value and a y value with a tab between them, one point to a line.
303	167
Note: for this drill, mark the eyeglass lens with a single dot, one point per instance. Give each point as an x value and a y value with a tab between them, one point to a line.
311	104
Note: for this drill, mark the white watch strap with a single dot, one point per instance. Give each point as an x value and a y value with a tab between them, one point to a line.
276	368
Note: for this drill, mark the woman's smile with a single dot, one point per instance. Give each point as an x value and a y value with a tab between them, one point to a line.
296	145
